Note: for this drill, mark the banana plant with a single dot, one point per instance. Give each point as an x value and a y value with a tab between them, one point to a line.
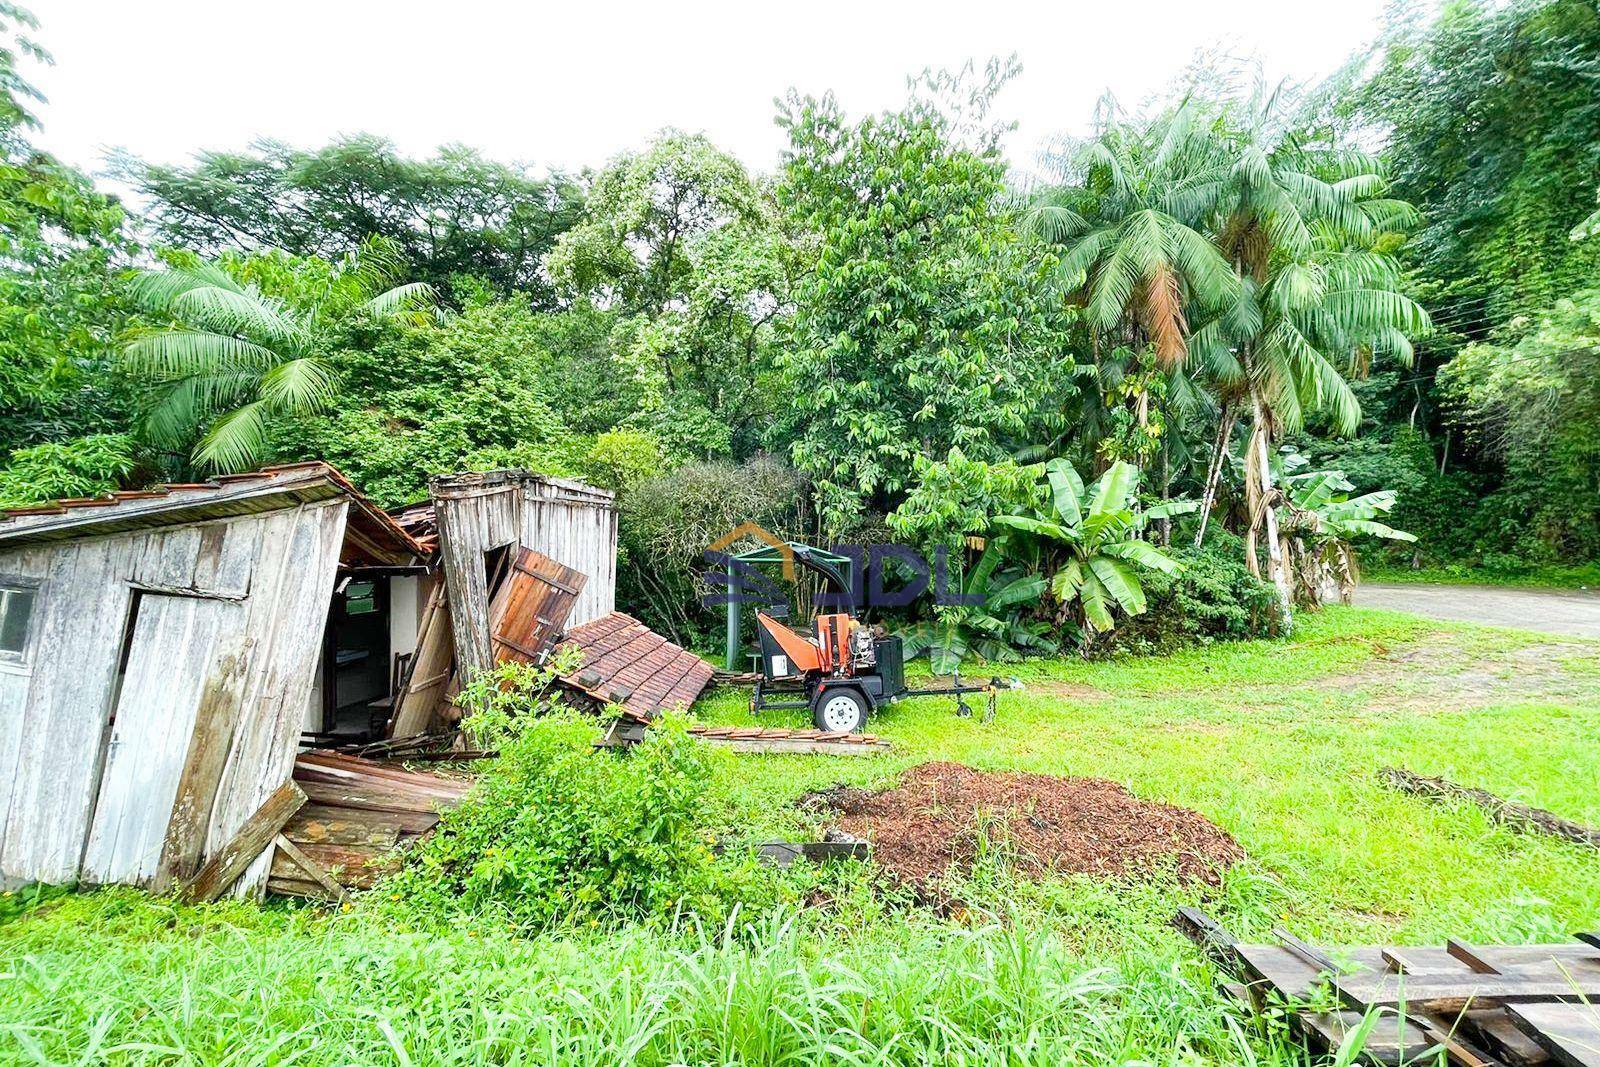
999	629
1319	521
1090	540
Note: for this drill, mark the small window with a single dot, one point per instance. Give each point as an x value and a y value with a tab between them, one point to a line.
361	598
16	613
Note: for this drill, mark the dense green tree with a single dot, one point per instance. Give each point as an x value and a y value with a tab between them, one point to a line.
928	320
251	346
456	213
60	245
1531	408
1491	119
680	241
474	392
1489	116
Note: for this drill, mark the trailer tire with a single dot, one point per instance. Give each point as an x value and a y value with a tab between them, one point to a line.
841	710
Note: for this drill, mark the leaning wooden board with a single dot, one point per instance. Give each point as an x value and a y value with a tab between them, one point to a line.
531	606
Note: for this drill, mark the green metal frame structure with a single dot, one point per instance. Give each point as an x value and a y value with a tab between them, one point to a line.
771	554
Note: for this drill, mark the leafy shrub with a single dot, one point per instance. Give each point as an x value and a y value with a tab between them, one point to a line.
620	459
957	496
86	466
668	522
1214	598
556	833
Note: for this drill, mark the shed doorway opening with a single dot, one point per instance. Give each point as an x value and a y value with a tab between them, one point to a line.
367	649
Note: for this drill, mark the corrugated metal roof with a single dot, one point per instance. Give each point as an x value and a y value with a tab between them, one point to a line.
373	532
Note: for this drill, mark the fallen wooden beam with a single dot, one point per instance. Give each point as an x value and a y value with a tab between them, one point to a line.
232	859
317	872
1506	812
759	739
1215	939
1448	995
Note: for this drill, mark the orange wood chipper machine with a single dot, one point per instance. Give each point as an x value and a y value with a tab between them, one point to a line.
843	670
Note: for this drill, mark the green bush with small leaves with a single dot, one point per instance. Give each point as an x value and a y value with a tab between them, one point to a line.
1214	598
557	834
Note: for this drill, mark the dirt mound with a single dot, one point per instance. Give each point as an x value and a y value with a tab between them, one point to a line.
933	820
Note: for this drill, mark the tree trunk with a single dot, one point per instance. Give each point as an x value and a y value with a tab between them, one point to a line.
1263	502
1165	524
1219	455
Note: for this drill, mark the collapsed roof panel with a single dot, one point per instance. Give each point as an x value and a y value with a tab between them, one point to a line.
627	663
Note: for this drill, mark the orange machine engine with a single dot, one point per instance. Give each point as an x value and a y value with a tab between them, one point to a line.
833	638
829	653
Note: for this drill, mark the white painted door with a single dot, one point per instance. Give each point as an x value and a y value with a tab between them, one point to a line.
174	648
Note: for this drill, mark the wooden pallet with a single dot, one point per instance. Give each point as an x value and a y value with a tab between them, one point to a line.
1512	1005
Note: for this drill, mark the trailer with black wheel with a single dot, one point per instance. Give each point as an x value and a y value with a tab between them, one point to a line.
845	671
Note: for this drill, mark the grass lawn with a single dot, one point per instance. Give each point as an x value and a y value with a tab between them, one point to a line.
1277	742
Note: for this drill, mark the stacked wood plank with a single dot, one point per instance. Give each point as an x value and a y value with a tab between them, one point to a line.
628	664
359	817
1518	1005
774	739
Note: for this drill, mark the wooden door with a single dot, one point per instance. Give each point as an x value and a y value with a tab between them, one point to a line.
531	606
174	646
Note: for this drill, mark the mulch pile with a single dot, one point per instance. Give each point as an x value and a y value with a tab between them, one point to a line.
931	822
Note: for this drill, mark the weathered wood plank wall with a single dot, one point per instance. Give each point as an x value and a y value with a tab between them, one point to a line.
472	521
274	571
576	524
572	523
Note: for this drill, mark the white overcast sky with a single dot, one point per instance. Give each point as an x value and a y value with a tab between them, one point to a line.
570	84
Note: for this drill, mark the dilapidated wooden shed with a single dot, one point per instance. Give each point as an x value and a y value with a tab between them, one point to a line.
159	652
481	516
488	527
171	659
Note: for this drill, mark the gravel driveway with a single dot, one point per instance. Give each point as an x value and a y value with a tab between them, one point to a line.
1555	611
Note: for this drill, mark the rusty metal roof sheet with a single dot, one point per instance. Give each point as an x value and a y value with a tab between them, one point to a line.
369	529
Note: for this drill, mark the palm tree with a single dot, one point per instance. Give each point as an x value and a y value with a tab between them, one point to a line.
1306	230
1124	209
236	359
